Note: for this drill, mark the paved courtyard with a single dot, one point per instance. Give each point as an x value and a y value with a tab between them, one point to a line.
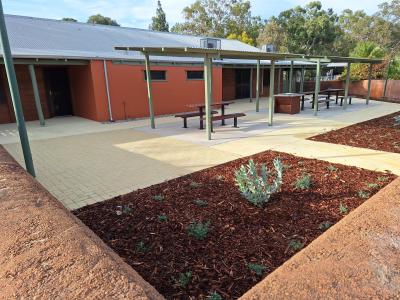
82	162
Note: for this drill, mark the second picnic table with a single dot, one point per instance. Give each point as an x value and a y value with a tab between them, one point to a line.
201	108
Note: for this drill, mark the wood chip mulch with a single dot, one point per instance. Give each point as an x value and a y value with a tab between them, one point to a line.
377	134
150	233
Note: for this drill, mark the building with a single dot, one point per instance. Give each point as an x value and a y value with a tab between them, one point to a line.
79	73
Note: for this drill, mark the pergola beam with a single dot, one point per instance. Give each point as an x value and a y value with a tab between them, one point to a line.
271	104
36	95
149	90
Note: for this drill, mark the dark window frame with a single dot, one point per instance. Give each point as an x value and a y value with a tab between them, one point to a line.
3	97
194	72
156	78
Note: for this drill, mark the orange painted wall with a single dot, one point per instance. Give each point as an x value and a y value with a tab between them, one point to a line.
128	90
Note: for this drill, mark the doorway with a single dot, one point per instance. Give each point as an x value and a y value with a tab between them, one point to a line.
242	83
58	91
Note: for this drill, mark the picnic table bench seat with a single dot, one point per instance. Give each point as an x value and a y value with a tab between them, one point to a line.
234	116
191	114
342	99
323	99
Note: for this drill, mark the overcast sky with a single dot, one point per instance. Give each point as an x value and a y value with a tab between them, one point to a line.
138	13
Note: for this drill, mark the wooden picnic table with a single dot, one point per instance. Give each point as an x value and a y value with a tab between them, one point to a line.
201	107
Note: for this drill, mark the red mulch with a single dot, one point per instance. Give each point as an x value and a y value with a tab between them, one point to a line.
241	233
378	134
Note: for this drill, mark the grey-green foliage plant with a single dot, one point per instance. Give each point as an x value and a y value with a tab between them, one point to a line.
214	296
254	185
158	198
296	245
198	230
200	202
343	209
257	268
304	182
141	247
363	194
184	279
397	121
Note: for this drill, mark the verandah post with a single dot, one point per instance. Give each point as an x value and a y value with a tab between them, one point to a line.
149	90
369	84
346	90
271	105
258	87
317	87
36	95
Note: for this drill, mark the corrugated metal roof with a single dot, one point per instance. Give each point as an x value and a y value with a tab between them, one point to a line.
45	38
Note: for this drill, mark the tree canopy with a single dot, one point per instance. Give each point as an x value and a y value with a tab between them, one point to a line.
100	19
221	19
159	21
67	19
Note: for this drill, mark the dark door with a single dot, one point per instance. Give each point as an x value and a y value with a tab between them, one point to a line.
242	83
58	91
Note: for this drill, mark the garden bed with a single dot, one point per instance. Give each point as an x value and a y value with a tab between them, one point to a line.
377	134
148	228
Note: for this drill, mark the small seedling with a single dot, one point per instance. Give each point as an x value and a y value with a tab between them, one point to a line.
198	230
162	218
324	225
141	247
158	198
343	209
296	245
200	202
286	166
372	185
382	179
219	177
184	279
195	185
331	168
304	182
363	194
123	209
257	268
397	121
214	296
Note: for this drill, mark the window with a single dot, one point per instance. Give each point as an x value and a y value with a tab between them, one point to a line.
156	75
194	75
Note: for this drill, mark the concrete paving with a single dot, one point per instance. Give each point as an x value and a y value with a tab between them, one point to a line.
82	162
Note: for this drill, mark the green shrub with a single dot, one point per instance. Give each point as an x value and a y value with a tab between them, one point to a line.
382	179
158	198
257	268
343	209
200	202
255	187
184	279
296	245
372	185
324	225
214	296
162	218
198	230
304	182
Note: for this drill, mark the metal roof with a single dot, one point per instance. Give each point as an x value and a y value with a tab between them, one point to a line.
221	54
44	38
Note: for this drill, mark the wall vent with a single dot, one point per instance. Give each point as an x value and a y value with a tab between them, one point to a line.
210	43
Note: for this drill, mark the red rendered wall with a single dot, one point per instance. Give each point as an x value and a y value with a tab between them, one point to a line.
128	90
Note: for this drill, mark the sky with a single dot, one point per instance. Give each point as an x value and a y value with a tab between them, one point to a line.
138	13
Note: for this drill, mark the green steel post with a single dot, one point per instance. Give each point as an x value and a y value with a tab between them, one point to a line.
369	83
258	87
149	90
291	78
386	79
271	106
346	89
207	93
317	87
36	95
251	84
302	80
15	96
279	79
